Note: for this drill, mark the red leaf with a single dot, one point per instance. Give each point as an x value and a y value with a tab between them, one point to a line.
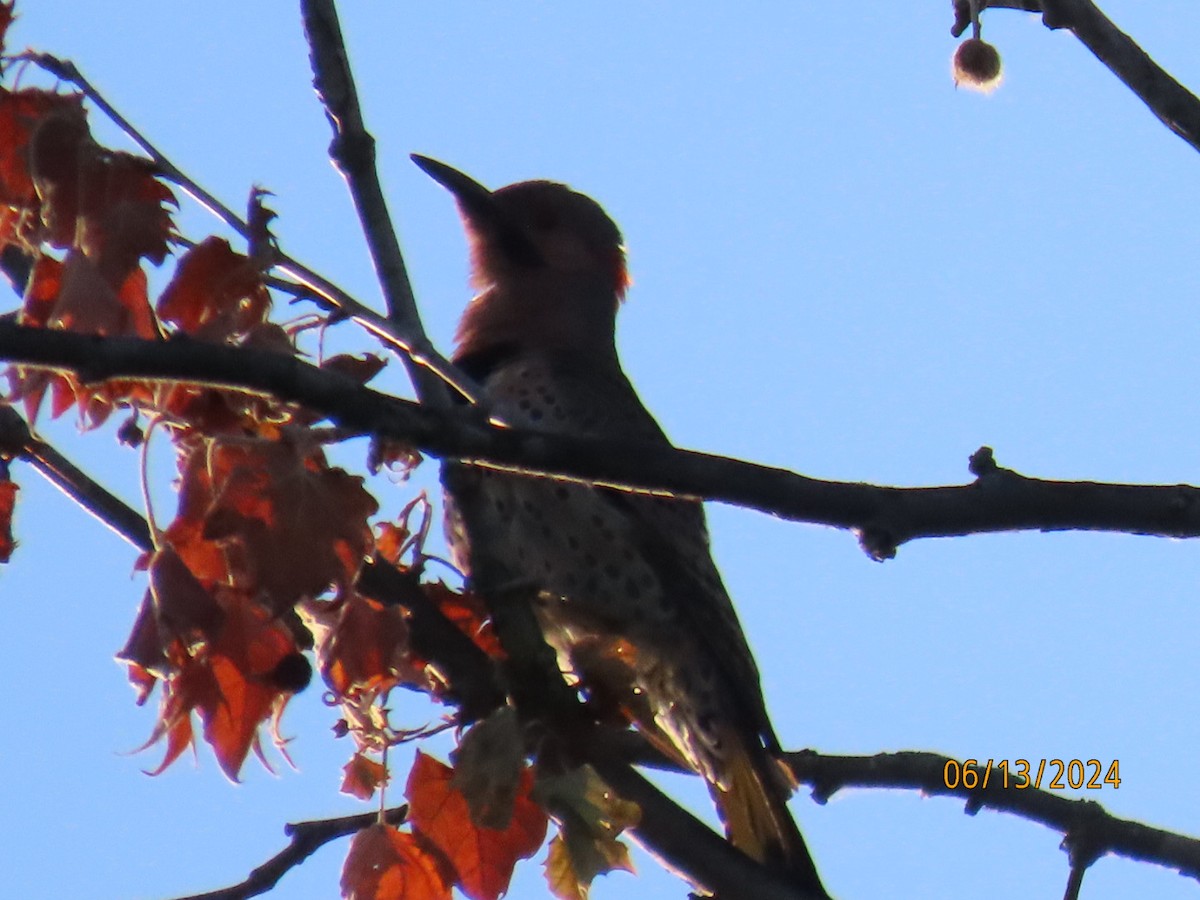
386	864
483	858
361	644
6	17
20	113
227	681
215	293
362	776
8	500
271	517
108	204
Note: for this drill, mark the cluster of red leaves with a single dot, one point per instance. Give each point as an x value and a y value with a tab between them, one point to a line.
262	524
446	846
469	825
263	520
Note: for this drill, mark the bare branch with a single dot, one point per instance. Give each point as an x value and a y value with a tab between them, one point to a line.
307	839
1176	106
884	517
1089	831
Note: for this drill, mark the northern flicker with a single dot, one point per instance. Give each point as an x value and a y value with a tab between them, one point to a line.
627	592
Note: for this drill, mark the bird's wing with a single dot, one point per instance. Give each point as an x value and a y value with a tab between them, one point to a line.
675	537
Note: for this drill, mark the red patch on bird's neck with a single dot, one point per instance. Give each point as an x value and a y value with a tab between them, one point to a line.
620	274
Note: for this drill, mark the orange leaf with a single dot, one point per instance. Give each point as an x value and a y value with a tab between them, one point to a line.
469	614
298	525
183	607
108	204
361	644
483	858
362	776
229	681
386	864
271	518
41	293
20	113
216	292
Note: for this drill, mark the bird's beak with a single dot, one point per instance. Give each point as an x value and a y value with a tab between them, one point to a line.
483	211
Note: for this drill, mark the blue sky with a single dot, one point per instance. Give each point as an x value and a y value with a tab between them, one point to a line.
842	265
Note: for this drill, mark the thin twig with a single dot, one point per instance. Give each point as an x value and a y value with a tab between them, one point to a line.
307	839
1074	883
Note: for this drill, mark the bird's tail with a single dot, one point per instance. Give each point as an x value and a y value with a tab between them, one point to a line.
753	807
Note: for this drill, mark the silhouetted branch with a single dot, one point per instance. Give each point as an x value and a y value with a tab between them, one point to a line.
1089	831
307	839
883	517
16	442
1176	106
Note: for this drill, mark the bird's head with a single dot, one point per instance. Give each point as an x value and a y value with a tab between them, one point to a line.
548	262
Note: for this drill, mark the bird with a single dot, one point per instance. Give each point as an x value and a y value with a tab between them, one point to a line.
627	592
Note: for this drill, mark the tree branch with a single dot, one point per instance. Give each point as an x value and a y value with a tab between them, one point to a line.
1089	831
884	517
307	839
353	152
16	442
1174	105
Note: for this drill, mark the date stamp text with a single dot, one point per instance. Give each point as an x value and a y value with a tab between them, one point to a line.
1053	774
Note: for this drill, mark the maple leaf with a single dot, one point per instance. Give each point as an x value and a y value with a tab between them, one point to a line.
108	204
72	294
8	500
183	607
20	113
6	18
488	767
390	540
362	776
469	615
361	644
228	681
387	864
591	819
144	652
572	864
215	293
483	858
272	516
